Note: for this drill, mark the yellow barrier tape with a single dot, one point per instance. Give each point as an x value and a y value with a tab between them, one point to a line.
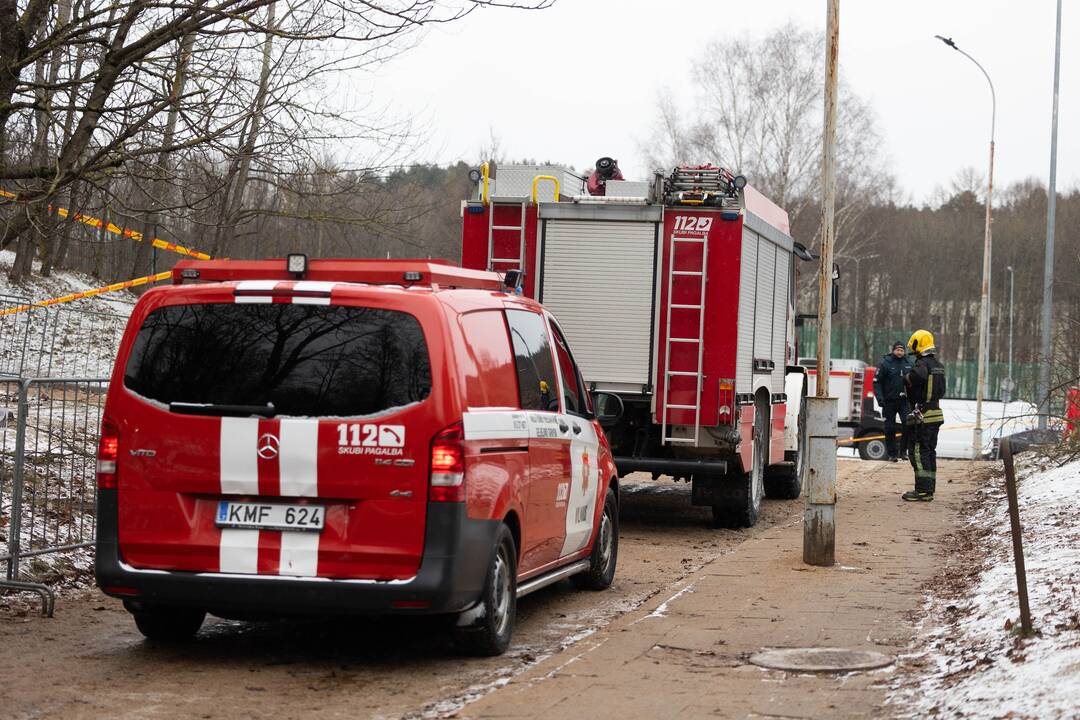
865	438
123	232
146	279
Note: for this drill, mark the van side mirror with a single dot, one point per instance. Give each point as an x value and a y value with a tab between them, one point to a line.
835	288
608	408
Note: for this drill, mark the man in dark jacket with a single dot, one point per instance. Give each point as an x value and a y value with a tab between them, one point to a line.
925	388
891	394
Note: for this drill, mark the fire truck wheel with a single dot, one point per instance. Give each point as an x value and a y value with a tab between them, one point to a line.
742	491
490	625
782	481
605	552
168	624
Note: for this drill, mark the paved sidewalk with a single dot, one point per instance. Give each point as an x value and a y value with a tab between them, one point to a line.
684	653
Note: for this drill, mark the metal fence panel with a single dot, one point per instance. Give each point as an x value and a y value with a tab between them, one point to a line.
15	335
48	478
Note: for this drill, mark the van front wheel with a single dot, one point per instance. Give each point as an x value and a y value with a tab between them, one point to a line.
486	629
605	552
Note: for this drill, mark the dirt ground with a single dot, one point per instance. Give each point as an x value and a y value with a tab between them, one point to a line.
89	661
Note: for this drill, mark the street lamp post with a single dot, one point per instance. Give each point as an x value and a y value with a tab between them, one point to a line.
984	304
1048	259
1011	383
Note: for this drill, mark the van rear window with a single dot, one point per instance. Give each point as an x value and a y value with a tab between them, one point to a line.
308	360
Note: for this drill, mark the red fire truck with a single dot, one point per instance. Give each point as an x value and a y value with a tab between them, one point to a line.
676	295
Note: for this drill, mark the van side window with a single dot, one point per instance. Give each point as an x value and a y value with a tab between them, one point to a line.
574	399
486	362
537	386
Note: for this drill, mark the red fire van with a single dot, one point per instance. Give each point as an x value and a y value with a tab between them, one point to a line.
348	436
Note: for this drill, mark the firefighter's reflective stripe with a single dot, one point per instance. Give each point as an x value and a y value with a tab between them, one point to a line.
584	486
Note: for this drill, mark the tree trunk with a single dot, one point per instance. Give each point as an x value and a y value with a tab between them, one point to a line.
159	189
235	198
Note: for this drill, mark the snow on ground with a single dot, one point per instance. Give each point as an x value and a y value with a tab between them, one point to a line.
74	339
971	660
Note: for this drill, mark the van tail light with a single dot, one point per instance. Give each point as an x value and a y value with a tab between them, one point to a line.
108	451
448	465
727	402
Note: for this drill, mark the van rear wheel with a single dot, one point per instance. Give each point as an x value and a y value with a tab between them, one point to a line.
486	629
605	552
168	624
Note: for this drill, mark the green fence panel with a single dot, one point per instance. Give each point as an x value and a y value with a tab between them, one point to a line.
870	344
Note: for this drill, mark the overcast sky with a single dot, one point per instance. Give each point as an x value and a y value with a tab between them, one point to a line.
580	80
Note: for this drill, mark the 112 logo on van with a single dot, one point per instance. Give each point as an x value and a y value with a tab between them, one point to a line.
366	439
692	224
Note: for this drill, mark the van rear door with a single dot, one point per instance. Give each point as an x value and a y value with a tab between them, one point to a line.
279	438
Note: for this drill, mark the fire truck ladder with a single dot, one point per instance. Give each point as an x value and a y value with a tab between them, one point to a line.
516	262
671	341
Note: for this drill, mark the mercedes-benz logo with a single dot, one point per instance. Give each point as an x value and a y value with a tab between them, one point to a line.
269	445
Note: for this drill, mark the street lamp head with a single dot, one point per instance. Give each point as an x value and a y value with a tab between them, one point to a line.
947	41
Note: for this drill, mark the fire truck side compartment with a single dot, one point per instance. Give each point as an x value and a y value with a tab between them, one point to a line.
599	262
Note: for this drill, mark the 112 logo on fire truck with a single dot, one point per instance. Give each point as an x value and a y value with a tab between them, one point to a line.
692	225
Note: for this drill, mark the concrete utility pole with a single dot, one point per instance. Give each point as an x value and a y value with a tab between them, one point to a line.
1048	261
984	302
819	518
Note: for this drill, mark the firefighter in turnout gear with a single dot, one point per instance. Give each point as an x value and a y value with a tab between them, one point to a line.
925	388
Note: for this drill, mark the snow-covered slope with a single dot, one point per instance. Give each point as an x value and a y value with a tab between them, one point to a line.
974	663
74	339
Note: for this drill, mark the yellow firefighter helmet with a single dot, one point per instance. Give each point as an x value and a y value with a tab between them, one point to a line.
920	341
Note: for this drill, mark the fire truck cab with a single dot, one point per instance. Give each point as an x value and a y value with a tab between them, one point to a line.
676	295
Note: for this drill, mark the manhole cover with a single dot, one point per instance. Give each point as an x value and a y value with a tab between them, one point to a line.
821	660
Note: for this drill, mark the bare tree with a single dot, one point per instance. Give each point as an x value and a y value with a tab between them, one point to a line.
758	111
98	89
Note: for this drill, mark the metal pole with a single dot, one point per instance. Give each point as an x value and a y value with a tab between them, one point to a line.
1017	536
1012	277
984	299
819	519
828	200
1048	261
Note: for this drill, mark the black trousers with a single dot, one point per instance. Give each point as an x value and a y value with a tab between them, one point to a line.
890	410
923	455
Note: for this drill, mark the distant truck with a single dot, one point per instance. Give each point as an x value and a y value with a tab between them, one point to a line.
852	381
954	439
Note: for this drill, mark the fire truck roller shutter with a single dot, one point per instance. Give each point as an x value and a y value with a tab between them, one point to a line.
744	359
598	280
763	314
780	326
